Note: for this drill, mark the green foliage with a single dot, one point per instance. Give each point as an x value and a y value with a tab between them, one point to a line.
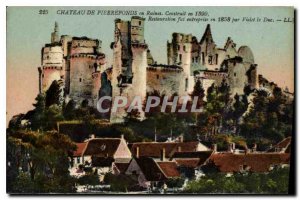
270	117
45	159
120	183
54	94
89	179
175	182
275	182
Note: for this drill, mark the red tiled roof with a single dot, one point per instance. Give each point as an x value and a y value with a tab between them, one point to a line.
191	159
255	162
153	149
102	147
170	169
80	149
284	144
189	162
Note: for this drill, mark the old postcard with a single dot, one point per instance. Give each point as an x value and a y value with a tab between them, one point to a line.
150	100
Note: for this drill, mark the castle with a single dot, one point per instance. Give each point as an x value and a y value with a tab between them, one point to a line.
79	63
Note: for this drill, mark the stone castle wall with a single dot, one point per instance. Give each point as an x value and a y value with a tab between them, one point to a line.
165	80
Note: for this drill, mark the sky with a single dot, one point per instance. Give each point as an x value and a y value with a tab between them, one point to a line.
272	43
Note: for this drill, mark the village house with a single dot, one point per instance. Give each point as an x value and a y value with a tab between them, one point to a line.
249	160
102	155
153	149
152	173
190	162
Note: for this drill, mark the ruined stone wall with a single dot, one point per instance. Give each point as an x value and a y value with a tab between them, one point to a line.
137	29
207	78
96	76
81	84
237	78
165	80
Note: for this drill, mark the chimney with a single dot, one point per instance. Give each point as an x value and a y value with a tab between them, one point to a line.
215	147
162	154
254	147
231	147
180	138
179	148
137	152
247	151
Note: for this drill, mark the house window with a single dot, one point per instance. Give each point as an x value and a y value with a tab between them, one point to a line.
234	74
78	159
178	47
217	59
193	60
79	79
157	76
180	57
140	23
183	48
210	60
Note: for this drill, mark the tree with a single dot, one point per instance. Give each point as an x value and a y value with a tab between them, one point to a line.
69	110
54	94
45	156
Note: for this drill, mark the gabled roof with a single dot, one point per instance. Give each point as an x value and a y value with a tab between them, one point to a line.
102	147
283	145
254	162
80	149
191	159
207	34
150	169
153	149
170	169
122	167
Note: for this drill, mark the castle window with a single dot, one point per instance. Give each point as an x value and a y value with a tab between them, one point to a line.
180	57
178	47
183	48
216	59
234	74
210	60
79	79
157	76
203	58
140	23
186	84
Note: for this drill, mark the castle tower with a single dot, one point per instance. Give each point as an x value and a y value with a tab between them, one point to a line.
179	52
85	65
55	34
129	63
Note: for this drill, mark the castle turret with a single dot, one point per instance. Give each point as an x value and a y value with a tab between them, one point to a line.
55	34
